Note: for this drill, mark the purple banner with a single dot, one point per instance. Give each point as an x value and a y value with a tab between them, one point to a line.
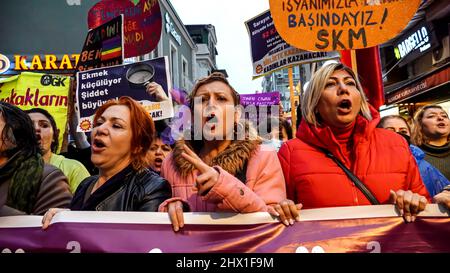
259	107
270	98
151	232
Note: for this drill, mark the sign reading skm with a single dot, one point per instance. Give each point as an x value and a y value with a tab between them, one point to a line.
419	39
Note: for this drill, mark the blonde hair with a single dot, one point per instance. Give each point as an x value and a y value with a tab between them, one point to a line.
317	85
417	136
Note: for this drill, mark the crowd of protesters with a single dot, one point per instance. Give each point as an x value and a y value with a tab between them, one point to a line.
342	155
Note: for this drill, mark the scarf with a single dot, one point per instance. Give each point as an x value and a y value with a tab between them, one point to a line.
24	172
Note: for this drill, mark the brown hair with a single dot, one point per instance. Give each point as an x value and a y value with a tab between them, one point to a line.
213	77
417	136
142	129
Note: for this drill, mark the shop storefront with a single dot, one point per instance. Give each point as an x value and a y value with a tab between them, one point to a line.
416	64
431	88
42	63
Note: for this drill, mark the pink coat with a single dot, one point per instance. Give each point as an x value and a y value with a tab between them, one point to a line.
264	185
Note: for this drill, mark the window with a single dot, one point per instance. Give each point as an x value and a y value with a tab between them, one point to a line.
185	73
174	65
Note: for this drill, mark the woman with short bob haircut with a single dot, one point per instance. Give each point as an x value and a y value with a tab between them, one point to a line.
339	125
121	137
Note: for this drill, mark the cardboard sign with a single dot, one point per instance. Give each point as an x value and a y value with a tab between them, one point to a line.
327	25
95	87
270	52
142	23
103	46
37	90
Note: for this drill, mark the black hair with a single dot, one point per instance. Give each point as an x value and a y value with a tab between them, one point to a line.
18	130
55	142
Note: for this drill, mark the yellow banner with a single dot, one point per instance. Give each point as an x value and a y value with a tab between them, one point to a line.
36	90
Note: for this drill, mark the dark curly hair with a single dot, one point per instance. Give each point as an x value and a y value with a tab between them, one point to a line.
18	130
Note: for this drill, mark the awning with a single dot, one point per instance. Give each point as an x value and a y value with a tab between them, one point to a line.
420	85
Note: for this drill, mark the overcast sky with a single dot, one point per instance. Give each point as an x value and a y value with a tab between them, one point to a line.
233	44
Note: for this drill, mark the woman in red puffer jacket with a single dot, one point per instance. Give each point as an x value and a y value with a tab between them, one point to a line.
337	118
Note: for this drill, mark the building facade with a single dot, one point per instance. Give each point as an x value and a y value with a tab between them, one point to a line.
177	44
416	63
54	32
279	81
205	38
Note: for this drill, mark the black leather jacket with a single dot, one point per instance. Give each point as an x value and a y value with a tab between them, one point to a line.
126	191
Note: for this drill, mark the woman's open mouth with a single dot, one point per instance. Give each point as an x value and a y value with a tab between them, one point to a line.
158	162
38	137
344	107
442	125
98	145
211	120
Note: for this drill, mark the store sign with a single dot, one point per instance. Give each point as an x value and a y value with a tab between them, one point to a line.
4	63
339	25
170	28
435	79
413	43
38	62
418	40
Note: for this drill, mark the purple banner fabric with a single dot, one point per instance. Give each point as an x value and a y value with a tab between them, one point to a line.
388	234
265	106
269	98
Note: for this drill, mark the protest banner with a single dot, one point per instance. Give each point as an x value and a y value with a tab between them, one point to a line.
270	52
338	25
345	229
142	23
103	46
257	107
36	90
97	86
